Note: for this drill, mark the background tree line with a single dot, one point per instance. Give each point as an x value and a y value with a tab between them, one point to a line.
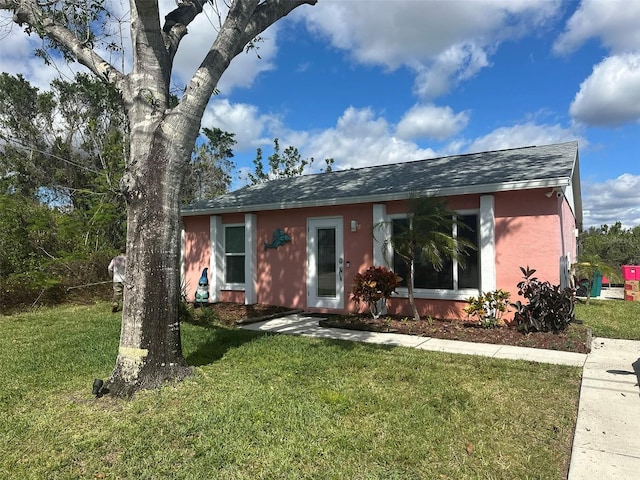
63	215
61	161
613	245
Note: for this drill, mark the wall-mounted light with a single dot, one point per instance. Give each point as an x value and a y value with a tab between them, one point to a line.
354	225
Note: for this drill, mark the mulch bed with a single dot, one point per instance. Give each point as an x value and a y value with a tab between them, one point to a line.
575	339
236	313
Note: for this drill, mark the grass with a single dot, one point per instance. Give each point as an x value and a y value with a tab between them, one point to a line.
611	318
263	406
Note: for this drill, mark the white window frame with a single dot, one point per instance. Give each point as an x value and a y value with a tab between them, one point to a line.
442	293
233	285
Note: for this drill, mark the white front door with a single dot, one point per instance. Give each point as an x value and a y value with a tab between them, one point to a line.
325	269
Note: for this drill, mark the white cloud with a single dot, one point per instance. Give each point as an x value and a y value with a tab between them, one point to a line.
245	121
442	42
456	63
361	139
611	201
615	22
611	95
431	121
522	135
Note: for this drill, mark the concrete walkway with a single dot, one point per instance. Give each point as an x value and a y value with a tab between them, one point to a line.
607	437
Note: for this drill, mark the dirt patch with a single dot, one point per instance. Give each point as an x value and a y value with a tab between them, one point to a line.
229	313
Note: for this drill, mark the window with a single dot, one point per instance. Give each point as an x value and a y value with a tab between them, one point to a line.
452	276
234	254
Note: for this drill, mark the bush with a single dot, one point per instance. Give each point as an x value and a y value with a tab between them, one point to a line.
45	252
549	309
29	289
374	285
488	308
57	280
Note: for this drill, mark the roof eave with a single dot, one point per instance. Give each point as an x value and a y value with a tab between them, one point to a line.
438	192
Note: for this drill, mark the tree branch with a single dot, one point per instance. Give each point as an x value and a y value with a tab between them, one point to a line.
176	22
183	14
29	12
244	22
266	14
149	50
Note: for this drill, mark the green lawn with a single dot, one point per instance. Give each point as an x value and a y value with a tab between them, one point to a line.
269	406
611	318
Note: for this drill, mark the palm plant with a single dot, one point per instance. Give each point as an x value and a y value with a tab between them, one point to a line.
586	268
428	238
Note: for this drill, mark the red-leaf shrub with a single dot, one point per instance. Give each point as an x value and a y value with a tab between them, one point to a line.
373	285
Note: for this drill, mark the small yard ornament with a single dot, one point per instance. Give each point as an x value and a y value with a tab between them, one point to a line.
98	388
279	239
202	292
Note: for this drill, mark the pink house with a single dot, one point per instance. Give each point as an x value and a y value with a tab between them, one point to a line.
298	242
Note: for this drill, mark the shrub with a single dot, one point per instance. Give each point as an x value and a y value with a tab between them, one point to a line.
23	290
488	308
374	287
549	309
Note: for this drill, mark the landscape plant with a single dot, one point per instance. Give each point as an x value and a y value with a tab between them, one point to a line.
428	238
374	287
488	308
549	308
586	269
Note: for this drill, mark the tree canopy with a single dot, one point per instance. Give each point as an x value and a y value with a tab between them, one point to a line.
289	163
162	133
211	167
614	244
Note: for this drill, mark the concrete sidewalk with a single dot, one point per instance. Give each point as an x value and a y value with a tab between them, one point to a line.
607	437
606	444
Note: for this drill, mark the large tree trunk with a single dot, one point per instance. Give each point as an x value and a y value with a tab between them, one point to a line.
162	139
150	351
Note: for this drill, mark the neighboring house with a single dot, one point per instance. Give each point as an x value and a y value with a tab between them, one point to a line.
523	206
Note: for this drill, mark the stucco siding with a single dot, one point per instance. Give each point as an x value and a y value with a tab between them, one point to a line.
282	271
527	234
196	252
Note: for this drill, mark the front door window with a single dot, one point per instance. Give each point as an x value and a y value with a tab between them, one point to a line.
325	284
326	262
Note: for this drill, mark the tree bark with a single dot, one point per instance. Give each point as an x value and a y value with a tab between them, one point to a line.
162	140
150	351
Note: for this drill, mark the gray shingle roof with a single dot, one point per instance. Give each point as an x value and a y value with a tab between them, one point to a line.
485	172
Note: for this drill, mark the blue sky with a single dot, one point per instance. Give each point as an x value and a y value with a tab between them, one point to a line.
381	81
